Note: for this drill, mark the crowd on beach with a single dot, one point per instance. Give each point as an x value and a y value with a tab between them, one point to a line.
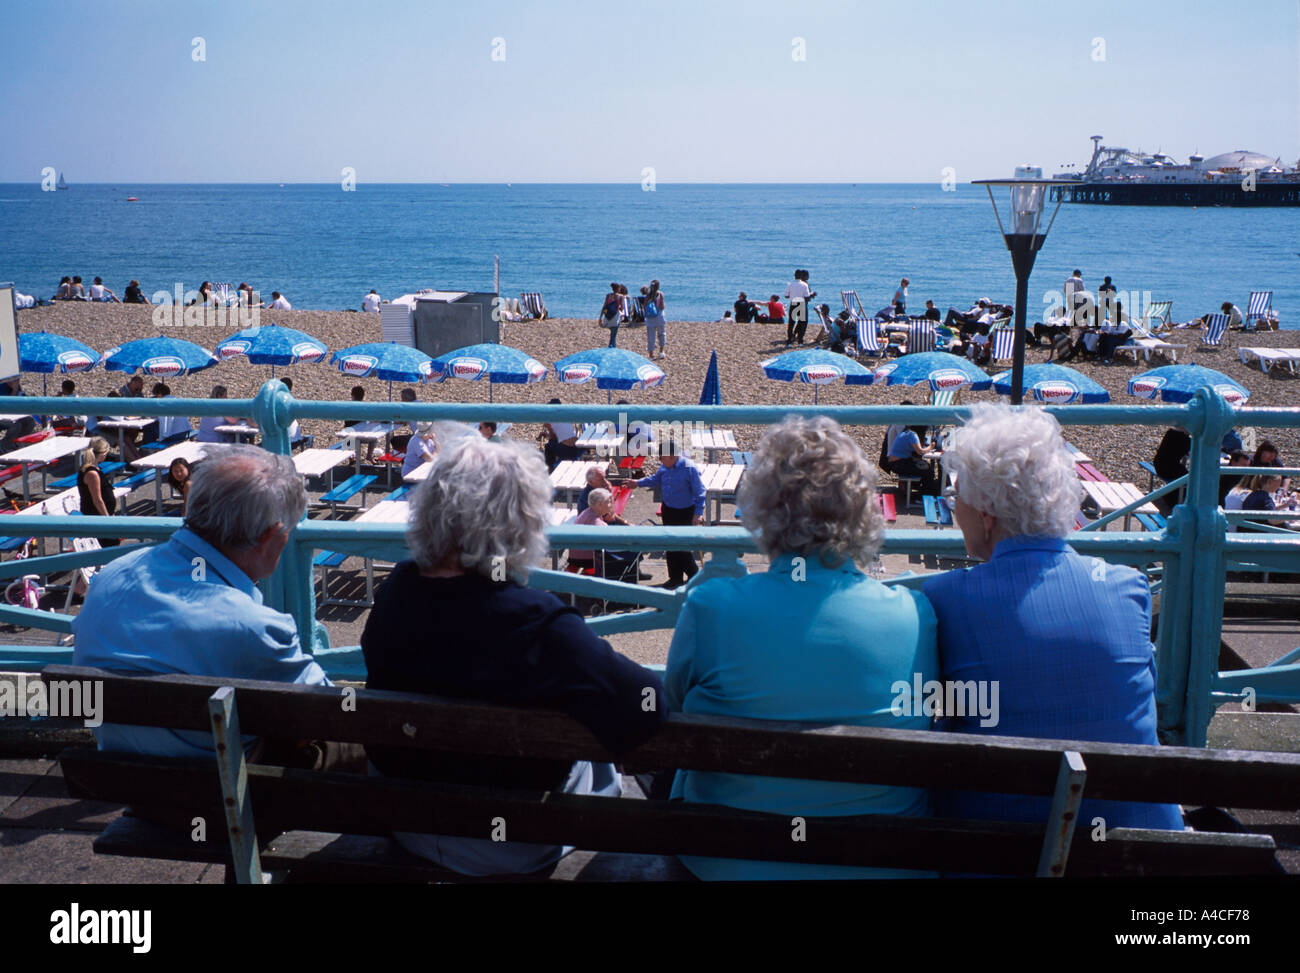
72	288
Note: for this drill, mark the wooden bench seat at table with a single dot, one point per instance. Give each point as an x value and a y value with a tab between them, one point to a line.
1111	496
323	812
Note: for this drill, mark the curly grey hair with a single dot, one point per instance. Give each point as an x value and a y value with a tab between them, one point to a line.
485	502
240	491
1014	465
811	490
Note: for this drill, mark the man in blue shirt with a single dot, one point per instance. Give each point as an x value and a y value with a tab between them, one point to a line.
191	605
682	490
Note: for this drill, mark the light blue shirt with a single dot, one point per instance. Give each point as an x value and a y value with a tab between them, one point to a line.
816	645
680	484
183	607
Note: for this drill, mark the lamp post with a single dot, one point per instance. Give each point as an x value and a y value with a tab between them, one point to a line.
1027	191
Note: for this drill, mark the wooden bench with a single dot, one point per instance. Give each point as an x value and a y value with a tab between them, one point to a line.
323	813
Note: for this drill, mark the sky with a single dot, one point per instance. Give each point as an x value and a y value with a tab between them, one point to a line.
589	91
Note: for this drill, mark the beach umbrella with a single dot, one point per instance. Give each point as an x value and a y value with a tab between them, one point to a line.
816	366
1053	385
162	356
496	363
384	360
1178	383
613	369
936	369
47	353
711	394
273	345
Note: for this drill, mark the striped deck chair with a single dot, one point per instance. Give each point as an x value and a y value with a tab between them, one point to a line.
222	294
1215	325
638	309
852	304
920	336
533	304
1260	302
869	338
1156	316
1002	344
625	308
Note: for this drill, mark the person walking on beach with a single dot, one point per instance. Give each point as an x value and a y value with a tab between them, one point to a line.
1106	297
611	313
654	319
900	298
798	294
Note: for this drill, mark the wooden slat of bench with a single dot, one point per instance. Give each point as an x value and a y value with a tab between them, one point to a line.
357	805
916	758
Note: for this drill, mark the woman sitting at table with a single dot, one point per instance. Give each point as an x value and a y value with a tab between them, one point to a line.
906	457
95	489
178	478
456	621
423	448
208	424
1064	639
811	640
617	565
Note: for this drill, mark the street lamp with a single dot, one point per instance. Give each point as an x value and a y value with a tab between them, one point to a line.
1027	191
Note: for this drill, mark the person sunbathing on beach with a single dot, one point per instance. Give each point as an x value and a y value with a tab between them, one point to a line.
133	294
279	302
77	291
98	292
64	292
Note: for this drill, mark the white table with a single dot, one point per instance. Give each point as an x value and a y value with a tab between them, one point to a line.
570	476
238	430
318	462
419	474
43	453
1114	496
385	512
720	481
713	441
189	450
62	504
603	437
364	432
122	424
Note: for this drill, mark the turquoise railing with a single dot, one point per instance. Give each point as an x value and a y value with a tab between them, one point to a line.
1195	548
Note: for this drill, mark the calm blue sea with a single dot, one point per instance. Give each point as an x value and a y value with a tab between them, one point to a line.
324	247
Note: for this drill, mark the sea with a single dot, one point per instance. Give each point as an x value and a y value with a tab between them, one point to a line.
324	246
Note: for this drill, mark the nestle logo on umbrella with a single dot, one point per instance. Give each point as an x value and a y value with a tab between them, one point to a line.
308	352
75	361
576	374
535	368
884	371
231	349
359	364
163	365
468	367
821	373
1148	387
1230	394
947	378
649	374
1059	392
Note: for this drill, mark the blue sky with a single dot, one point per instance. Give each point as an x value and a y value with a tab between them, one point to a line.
702	90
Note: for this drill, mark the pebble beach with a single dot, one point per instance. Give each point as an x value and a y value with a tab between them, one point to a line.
1116	450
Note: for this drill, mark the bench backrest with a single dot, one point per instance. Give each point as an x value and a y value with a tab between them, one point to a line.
334	802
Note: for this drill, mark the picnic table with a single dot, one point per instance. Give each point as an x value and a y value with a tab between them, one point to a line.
602	437
43	453
420	473
1114	496
238	430
713	441
318	462
61	504
189	450
570	476
122	424
364	432
720	482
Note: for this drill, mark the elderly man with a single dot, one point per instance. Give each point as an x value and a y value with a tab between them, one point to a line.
191	605
133	389
683	504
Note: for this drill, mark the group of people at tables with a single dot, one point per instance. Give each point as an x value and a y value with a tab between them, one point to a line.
1261	491
812	639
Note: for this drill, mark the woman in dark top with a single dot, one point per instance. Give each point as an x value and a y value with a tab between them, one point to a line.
178	477
455	622
94	488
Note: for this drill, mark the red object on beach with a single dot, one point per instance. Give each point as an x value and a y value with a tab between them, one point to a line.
133	199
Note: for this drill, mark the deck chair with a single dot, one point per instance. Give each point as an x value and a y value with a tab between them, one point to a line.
1215	326
222	293
869	338
921	336
80	577
1002	344
533	304
824	323
853	304
1144	342
1258	308
1157	316
625	309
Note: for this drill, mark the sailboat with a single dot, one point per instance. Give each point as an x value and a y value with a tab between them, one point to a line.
63	183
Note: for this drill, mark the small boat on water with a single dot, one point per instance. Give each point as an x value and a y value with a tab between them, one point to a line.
133	199
62	183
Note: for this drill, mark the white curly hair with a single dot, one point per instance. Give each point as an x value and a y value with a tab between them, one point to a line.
812	491
485	502
1013	464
